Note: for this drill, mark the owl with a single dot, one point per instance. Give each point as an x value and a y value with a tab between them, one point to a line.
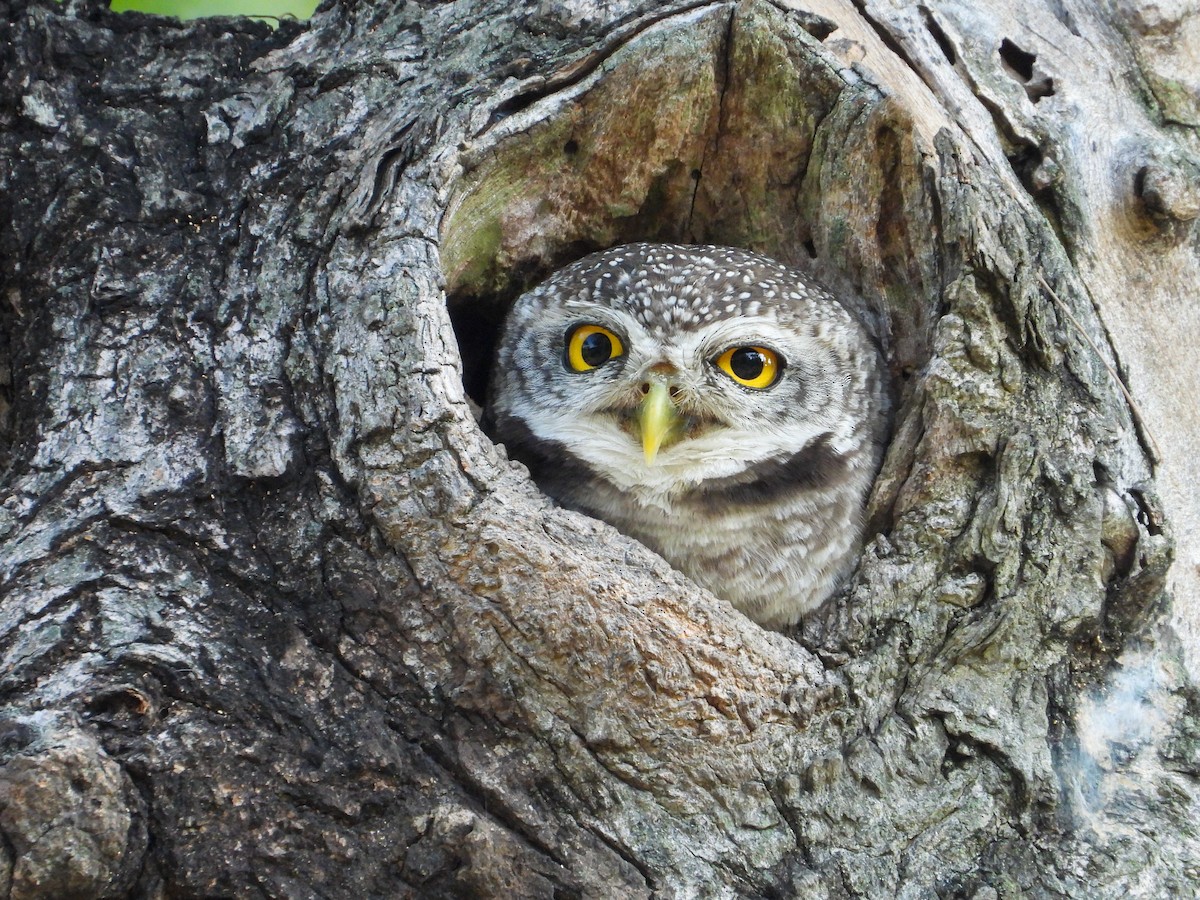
722	409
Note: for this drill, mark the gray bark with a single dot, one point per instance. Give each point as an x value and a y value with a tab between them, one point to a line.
277	619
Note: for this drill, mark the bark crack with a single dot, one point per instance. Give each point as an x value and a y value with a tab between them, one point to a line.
492	804
726	67
889	40
1145	437
578	71
626	855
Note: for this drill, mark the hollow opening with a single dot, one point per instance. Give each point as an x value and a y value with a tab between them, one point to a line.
768	151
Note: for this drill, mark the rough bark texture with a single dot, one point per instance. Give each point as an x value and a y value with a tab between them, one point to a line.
278	620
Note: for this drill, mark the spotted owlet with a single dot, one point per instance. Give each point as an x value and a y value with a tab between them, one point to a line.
719	407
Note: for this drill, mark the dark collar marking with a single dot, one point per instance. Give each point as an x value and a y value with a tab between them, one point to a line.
816	466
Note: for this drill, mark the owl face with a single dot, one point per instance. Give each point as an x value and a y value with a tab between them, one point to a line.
717	406
662	367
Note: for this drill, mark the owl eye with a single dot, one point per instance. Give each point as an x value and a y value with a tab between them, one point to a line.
752	367
591	346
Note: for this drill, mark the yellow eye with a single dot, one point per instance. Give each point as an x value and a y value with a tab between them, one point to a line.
591	346
753	367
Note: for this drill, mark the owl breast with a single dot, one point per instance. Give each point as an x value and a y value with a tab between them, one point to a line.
718	407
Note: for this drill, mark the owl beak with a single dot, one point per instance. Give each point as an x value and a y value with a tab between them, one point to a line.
657	417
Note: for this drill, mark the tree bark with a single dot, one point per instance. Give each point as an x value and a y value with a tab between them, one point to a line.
277	619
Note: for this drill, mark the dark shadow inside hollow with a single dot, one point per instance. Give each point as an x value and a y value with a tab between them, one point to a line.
478	319
477	331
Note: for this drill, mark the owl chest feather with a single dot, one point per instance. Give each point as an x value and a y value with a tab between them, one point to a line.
775	539
773	559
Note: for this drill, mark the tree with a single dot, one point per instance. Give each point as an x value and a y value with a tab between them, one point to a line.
278	619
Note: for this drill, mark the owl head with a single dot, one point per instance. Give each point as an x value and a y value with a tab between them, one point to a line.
660	368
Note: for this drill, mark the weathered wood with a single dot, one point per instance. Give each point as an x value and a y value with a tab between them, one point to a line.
278	619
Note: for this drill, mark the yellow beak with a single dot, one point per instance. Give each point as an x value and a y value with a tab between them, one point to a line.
657	418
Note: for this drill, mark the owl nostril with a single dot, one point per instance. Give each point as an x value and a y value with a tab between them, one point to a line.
673	390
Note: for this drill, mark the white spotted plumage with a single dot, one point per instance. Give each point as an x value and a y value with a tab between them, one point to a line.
759	494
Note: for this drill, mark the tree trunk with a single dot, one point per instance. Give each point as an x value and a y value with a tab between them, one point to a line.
279	620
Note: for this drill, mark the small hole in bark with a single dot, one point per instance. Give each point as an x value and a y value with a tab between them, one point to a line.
16	736
957	755
120	703
1139	181
1025	162
571	147
1146	514
1042	87
517	103
811	249
1019	63
695	174
1017	59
